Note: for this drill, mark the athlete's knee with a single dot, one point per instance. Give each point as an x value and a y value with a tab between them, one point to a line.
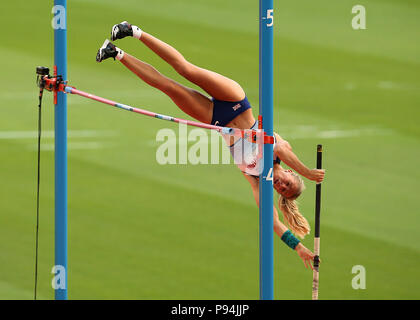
171	88
161	83
183	68
158	83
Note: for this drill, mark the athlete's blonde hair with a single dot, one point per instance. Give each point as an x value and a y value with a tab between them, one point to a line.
288	206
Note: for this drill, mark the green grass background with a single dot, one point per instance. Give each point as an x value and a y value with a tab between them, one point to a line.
139	230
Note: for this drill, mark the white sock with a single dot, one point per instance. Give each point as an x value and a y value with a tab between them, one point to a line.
136	32
120	54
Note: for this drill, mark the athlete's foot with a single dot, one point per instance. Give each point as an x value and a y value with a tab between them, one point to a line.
108	50
125	29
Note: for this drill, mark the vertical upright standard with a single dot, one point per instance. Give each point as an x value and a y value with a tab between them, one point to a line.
60	124
315	283
266	182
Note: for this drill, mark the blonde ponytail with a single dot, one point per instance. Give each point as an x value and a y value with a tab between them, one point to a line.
288	206
295	220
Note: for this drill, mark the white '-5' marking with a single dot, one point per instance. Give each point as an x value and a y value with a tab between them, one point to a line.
270	16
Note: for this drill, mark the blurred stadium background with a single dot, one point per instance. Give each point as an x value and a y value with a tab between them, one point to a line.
138	230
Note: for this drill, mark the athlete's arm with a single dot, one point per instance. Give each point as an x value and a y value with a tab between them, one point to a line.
283	150
279	228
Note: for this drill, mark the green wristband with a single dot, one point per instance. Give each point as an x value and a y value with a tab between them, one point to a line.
289	239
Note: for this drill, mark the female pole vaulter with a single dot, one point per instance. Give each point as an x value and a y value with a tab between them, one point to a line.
227	106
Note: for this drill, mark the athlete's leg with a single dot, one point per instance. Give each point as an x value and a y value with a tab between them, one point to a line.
216	85
190	101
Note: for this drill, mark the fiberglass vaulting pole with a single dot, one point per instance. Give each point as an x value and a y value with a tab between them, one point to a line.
266	182
59	24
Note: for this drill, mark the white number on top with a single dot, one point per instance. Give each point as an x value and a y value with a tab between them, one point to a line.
270	16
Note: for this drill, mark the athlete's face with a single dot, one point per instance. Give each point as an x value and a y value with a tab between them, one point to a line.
285	183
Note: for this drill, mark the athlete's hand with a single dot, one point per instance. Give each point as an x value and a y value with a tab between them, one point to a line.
305	254
316	175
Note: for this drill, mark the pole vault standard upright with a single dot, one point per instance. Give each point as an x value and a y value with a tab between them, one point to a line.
60	124
266	181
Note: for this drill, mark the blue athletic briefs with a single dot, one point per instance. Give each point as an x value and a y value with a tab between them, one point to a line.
225	111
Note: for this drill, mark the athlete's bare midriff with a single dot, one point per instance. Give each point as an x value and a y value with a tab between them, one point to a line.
245	120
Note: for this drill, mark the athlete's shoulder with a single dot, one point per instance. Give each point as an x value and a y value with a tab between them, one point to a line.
253	180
